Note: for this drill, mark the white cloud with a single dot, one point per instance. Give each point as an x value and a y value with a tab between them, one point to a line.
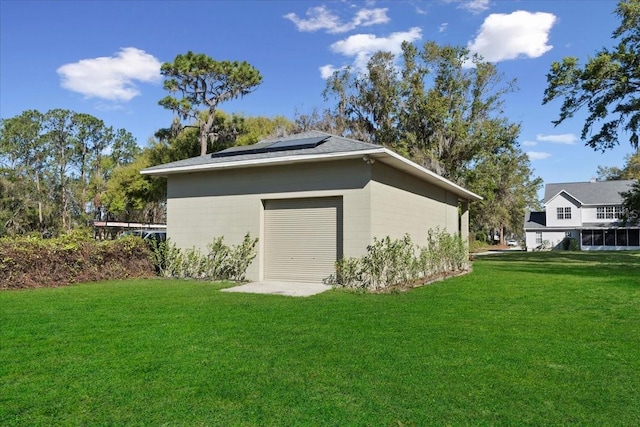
510	36
359	43
529	143
327	71
321	18
563	138
473	6
111	78
362	46
537	155
443	27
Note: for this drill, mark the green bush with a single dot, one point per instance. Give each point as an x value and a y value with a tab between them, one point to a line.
570	244
29	261
400	262
221	262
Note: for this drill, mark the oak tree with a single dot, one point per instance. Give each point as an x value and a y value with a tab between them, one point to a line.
607	85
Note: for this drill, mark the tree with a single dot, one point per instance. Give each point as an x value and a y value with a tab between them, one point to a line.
631	204
257	128
631	169
367	104
53	164
316	119
609	173
434	110
90	140
131	196
505	180
197	81
608	85
60	126
458	120
22	149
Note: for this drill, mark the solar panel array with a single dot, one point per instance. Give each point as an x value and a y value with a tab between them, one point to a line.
282	145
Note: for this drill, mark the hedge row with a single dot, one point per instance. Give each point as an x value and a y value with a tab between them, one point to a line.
29	262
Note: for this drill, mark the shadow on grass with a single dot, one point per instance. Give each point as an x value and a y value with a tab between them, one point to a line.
624	266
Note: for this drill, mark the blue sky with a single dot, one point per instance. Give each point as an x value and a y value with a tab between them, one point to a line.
103	57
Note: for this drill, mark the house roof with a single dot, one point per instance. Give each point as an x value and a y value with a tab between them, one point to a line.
590	193
535	220
330	147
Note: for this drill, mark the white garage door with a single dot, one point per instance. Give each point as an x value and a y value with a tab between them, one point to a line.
302	238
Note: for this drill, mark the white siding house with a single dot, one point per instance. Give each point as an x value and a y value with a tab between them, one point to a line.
588	212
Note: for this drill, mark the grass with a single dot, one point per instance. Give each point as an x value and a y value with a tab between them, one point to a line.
526	339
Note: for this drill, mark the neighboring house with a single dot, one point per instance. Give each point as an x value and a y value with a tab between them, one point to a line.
589	212
310	198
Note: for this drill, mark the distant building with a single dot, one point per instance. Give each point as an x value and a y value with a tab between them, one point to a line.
588	212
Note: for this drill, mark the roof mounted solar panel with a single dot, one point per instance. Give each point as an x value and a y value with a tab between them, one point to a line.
291	144
269	147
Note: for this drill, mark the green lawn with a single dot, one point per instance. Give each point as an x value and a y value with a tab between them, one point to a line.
526	339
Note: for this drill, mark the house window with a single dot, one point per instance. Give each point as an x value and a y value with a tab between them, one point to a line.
617	212
621	237
564	213
609	212
598	238
538	237
609	238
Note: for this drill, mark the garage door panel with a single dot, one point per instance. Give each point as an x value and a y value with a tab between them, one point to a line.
302	238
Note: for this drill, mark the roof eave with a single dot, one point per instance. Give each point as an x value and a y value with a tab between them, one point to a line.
270	161
406	165
565	192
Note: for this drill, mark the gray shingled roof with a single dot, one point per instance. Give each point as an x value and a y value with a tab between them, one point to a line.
334	144
535	220
591	193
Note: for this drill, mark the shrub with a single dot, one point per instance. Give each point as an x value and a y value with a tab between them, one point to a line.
400	262
27	262
221	262
570	244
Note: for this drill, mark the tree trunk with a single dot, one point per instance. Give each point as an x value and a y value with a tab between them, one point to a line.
83	175
203	143
40	219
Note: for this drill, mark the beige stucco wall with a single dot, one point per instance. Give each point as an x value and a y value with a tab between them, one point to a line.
377	201
401	203
201	206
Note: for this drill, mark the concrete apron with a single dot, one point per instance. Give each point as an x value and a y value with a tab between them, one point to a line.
291	289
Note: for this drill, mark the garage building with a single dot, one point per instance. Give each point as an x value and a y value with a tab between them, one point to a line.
310	198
